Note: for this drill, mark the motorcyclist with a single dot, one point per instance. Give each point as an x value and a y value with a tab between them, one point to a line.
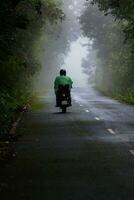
62	80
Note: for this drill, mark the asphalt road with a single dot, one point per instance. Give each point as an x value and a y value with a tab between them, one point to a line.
85	154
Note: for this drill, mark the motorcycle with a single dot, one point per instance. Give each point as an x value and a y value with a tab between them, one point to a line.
64	98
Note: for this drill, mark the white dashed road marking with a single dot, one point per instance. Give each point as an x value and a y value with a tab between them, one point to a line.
87	111
97	118
111	131
81	105
132	152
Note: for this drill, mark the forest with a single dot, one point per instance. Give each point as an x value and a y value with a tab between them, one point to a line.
109	24
22	23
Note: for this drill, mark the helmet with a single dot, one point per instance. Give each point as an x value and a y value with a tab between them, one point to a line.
63	72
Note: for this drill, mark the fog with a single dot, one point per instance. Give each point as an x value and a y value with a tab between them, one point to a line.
66	48
73	62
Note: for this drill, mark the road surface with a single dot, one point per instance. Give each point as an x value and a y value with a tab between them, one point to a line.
86	154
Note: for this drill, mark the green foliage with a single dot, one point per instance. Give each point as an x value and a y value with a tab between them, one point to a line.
122	10
21	22
114	67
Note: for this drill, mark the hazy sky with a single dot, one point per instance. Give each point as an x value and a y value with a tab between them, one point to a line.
73	61
78	51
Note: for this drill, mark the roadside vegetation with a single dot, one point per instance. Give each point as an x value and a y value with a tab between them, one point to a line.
110	26
21	22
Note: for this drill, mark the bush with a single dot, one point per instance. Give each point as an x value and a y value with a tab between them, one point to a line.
21	22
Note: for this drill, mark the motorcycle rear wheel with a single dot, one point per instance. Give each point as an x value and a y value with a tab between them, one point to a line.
64	109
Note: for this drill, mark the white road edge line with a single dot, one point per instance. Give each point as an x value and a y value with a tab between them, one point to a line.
97	118
132	152
111	131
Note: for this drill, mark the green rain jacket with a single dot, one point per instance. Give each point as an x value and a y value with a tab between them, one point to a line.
62	80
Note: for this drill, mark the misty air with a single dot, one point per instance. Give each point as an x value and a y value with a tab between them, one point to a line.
67	99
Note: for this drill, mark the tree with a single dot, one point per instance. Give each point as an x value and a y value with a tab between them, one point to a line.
22	22
114	66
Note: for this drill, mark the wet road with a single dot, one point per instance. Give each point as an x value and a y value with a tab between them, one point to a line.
86	154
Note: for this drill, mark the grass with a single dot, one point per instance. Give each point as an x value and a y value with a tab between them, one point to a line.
127	97
37	105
